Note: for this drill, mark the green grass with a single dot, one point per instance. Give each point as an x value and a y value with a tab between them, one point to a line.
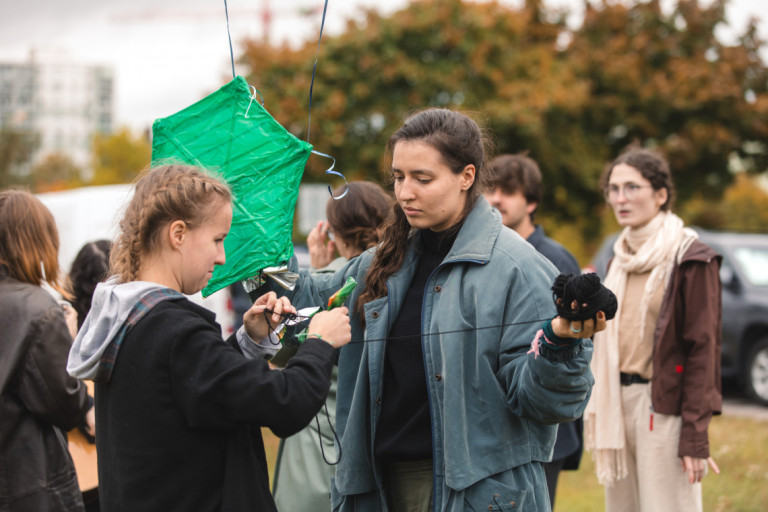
739	446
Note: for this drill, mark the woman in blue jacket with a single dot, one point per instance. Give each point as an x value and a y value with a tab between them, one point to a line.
450	399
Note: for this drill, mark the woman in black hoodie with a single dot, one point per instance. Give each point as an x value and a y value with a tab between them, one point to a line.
178	410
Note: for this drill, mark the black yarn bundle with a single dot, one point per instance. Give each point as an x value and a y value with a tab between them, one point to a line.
588	294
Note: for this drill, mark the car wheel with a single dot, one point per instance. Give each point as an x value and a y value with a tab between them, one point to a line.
757	371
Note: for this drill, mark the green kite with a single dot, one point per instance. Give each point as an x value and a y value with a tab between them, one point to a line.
262	163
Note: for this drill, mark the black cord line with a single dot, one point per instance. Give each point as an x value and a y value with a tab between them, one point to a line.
293	316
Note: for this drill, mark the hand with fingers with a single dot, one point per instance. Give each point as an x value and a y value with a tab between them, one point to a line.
257	325
321	248
697	468
583	304
565	328
331	326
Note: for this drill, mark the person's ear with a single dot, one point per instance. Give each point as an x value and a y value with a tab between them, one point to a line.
467	177
531	207
661	197
177	232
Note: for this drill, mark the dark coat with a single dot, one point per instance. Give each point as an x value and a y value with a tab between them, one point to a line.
687	343
38	402
179	423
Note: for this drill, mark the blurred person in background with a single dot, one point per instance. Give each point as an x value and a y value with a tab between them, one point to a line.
91	266
657	365
38	400
302	472
516	193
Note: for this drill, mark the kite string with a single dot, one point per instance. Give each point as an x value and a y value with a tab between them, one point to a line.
229	35
314	68
301	318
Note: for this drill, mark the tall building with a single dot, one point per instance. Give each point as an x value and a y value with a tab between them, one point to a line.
65	104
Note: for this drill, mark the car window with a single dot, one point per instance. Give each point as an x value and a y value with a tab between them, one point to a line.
754	264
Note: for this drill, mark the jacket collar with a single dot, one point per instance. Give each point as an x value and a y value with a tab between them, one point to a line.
477	235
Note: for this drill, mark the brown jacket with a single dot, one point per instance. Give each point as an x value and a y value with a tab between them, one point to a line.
687	342
38	402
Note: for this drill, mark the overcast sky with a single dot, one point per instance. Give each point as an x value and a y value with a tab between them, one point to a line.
167	54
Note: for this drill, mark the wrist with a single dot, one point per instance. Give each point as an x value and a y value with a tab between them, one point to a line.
320	337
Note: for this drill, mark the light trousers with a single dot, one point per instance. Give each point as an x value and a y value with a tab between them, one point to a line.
656	481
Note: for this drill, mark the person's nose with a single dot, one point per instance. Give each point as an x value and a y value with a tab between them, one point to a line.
221	257
406	190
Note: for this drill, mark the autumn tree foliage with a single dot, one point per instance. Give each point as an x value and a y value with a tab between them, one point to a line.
572	98
119	157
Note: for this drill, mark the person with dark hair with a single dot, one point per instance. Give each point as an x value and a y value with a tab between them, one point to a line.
179	410
303	469
517	194
353	224
38	400
449	398
657	365
90	267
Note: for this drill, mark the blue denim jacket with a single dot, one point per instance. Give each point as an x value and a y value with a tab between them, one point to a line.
494	407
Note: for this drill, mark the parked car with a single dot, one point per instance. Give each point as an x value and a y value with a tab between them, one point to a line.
744	275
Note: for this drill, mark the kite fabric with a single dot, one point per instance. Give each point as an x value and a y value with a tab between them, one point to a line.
262	163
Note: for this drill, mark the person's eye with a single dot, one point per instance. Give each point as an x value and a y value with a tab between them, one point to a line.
424	181
613	190
633	187
398	178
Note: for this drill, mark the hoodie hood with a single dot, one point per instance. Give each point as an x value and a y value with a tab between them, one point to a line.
111	307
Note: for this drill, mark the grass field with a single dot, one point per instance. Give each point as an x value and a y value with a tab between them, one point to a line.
739	446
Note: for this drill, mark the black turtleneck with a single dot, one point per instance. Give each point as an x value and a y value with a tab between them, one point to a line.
404	431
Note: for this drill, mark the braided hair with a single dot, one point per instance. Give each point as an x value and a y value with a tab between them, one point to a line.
163	194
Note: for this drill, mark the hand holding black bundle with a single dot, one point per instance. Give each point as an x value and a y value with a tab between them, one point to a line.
583	306
580	297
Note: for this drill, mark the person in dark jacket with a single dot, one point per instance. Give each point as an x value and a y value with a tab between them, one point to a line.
657	366
179	411
39	402
517	194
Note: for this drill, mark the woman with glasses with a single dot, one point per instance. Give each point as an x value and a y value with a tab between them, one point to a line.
657	365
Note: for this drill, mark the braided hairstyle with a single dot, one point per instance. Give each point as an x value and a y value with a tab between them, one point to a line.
163	194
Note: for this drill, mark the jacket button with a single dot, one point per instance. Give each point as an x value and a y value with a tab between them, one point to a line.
375	314
438	377
438	288
378	400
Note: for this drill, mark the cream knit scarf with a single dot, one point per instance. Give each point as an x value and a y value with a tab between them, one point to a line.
667	241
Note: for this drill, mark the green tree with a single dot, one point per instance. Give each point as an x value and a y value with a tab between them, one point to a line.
572	98
119	157
16	150
665	81
55	172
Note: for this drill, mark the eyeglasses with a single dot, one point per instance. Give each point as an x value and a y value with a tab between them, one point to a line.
630	191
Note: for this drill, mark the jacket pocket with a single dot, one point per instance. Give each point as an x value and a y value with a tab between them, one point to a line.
490	494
